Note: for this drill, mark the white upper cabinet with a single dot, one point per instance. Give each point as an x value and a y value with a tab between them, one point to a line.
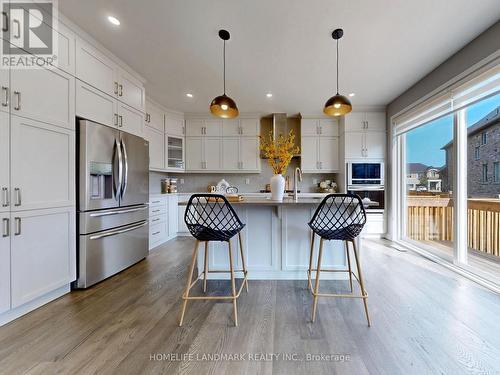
212	152
210	128
4	262
130	119
354	145
231	153
249	154
248	127
195	128
309	153
95	105
320	154
231	128
361	121
156	149
213	128
174	125
99	71
5	90
95	68
130	90
42	165
42	251
194	153
46	95
326	127
4	162
375	143
154	116
65	49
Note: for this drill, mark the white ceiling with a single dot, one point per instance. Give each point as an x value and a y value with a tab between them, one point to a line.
281	46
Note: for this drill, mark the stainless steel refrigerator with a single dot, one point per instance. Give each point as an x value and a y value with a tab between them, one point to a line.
113	191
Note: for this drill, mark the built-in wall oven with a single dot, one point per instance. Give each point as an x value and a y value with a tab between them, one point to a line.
365	176
367	181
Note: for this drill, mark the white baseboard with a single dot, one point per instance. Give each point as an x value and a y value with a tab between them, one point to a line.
13	314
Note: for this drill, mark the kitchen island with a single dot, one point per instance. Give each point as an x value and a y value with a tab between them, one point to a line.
276	241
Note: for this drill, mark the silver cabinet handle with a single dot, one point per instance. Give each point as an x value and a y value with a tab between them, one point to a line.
116	119
125	169
320	130
320	165
18	104
5	197
121	121
155	219
155	233
18	226
5	102
116	88
6	227
17	192
115	232
121	89
17	35
5	26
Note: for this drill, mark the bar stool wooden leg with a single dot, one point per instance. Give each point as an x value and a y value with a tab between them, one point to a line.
316	285
361	282
188	283
205	268
233	286
243	260
309	271
348	263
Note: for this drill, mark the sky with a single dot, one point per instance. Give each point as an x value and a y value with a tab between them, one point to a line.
424	144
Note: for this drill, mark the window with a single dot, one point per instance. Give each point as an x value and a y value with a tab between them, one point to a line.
496	171
476	153
484	174
484	138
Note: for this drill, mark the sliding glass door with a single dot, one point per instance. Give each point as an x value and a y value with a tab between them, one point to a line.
449	184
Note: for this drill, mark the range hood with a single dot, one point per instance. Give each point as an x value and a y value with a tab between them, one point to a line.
280	123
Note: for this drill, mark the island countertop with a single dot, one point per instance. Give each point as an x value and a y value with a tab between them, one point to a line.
264	201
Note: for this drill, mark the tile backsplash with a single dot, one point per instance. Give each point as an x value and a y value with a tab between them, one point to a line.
198	182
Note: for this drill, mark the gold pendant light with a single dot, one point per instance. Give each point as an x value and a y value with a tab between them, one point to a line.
337	105
223	106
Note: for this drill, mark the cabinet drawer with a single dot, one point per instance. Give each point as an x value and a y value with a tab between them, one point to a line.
154	202
158	219
157	234
158	210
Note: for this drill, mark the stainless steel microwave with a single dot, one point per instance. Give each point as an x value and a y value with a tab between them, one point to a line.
365	176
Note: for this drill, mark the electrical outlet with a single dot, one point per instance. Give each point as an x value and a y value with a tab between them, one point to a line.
315	181
247	181
181	181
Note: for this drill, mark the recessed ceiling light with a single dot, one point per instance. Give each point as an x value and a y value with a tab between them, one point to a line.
115	21
352	94
189	95
269	95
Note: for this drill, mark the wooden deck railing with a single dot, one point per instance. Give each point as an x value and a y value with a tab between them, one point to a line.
430	218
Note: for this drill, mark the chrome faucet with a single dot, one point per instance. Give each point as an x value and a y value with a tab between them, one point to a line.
297	176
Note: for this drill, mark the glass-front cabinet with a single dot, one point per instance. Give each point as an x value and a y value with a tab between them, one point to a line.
175	152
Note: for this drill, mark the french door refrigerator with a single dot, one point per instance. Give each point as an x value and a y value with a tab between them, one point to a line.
113	191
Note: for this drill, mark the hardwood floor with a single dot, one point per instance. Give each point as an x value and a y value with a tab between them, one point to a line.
425	320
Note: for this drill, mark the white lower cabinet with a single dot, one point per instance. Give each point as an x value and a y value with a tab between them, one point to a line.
5	262
43	255
162	219
42	165
375	225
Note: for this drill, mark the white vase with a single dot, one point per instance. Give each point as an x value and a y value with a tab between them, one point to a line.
277	187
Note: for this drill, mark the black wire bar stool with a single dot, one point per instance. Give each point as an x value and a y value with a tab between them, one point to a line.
210	217
338	217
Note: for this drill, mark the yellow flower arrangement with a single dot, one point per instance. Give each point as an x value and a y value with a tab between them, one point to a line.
280	152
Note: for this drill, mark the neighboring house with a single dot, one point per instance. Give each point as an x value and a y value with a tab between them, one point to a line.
421	177
483	157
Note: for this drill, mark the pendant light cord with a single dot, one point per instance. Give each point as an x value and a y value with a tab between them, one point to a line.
337	66
224	65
